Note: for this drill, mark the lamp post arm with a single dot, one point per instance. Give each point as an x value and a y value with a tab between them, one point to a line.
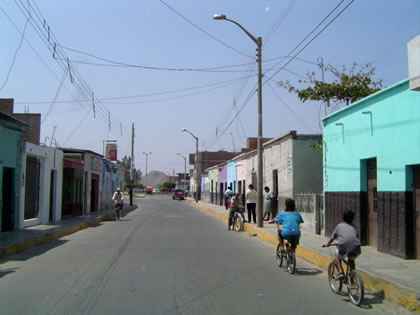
245	30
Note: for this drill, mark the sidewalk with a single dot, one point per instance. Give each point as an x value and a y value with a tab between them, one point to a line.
398	280
19	240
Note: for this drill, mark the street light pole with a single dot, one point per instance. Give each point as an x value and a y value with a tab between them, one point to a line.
257	40
196	162
147	154
185	170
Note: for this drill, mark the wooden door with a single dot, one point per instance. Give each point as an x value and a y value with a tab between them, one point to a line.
372	202
416	193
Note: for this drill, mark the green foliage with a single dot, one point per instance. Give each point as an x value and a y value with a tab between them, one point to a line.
349	85
168	185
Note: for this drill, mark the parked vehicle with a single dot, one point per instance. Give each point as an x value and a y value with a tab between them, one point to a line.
178	194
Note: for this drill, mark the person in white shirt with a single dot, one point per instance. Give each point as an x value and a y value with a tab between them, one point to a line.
228	196
251	202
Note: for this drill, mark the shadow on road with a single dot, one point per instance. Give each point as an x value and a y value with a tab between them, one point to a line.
7	271
33	251
307	271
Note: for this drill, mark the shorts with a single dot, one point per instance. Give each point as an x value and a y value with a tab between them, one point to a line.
351	256
289	237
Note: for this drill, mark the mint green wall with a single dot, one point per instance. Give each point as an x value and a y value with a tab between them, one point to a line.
389	131
213	174
9	157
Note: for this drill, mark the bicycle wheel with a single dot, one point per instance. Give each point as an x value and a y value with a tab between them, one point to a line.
279	256
238	224
355	288
332	273
291	261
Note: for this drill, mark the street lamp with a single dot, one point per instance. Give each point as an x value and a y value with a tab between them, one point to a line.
257	40
147	154
196	162
185	169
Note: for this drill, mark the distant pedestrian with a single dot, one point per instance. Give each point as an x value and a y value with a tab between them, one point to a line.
228	196
268	204
251	202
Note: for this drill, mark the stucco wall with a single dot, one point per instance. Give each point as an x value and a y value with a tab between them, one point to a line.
50	159
307	167
385	126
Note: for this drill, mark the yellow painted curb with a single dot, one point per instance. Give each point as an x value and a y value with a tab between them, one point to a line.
392	292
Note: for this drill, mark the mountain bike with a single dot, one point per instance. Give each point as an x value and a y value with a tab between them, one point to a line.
288	253
352	279
117	211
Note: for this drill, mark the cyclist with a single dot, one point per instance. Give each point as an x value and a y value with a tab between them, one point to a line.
118	199
348	243
235	205
290	219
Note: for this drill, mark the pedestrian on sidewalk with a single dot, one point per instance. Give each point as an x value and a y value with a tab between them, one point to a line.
235	205
251	202
228	196
268	204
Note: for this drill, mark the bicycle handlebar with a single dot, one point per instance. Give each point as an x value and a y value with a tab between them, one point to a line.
333	244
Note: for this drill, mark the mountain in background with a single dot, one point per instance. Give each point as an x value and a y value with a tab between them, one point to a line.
154	178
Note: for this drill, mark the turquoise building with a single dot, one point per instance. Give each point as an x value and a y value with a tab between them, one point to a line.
371	158
11	130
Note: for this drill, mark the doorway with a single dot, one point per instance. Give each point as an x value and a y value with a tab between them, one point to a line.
52	195
32	187
94	193
372	202
416	194
275	191
8	199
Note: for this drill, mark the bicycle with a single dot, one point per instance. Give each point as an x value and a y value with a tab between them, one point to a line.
352	279
117	211
238	220
288	253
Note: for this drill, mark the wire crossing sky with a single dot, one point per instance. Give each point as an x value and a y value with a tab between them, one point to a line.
92	68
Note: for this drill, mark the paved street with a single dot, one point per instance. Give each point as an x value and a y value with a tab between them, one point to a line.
166	257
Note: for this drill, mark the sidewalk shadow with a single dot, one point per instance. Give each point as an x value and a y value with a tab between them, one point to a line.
7	271
307	271
34	251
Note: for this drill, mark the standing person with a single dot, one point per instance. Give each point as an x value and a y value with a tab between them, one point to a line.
251	203
235	205
228	196
268	204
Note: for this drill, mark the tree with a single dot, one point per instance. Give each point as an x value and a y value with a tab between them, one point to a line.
349	85
168	185
125	164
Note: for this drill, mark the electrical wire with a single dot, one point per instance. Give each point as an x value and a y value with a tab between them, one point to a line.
279	21
203	31
16	52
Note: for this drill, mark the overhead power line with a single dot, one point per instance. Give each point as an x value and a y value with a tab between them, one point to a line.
203	31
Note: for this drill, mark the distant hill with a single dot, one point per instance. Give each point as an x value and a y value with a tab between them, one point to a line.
154	178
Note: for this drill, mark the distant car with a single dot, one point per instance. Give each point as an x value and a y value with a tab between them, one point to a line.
149	190
178	194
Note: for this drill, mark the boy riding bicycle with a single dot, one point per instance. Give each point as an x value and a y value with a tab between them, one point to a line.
348	243
235	205
118	199
290	219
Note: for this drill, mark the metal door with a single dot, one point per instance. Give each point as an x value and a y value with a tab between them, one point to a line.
416	192
372	202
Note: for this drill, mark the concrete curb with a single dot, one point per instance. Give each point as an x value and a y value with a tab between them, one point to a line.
16	248
390	291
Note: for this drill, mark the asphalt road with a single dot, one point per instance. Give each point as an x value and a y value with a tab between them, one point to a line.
166	257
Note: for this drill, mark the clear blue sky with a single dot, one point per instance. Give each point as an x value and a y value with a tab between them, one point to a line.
182	35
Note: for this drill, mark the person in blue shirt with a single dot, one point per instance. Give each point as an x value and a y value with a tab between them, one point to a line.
290	219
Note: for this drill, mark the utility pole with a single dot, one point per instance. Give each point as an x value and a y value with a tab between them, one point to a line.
132	166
